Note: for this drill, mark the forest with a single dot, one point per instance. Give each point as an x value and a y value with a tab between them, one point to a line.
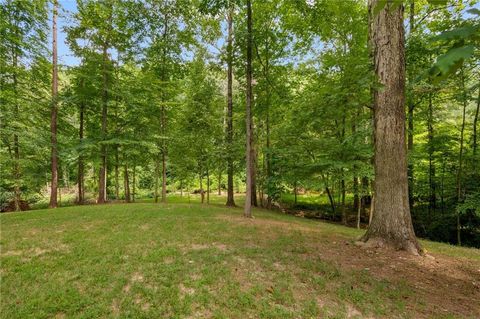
341	113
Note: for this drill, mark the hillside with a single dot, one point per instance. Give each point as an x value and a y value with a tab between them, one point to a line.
197	261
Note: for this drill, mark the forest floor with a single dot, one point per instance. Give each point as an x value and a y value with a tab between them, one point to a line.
205	261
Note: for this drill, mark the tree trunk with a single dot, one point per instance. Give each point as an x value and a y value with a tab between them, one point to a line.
126	184
219	183
164	161
411	107
81	169
208	186
460	157
54	111
102	180
249	119
202	194
117	185
475	123
391	224
332	202
134	183
431	165
344	208
230	197
157	171
359	213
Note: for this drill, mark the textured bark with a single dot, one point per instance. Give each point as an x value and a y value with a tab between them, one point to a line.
230	197
102	178
411	107
81	169
249	120
53	114
391	224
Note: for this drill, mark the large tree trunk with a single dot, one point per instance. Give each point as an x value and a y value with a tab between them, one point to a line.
102	180
81	169
230	198
54	111
391	224
249	119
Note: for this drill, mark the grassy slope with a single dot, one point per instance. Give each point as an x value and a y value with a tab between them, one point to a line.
188	260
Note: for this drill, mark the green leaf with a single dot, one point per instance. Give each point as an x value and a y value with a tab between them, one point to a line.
451	61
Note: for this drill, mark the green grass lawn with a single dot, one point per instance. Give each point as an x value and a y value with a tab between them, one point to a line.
186	260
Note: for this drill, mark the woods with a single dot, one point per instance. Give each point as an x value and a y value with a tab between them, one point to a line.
365	114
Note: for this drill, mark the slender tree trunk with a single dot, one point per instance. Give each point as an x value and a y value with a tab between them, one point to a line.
134	183
202	194
431	150
208	186
117	183
460	157
344	208
54	111
391	224
230	195
164	158
157	172
249	119
254	173
475	123
332	202
359	213
102	181
81	169
126	183
219	183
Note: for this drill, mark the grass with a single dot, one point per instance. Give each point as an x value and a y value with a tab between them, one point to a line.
186	260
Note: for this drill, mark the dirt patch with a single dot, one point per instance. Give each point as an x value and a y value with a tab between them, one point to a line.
443	283
184	291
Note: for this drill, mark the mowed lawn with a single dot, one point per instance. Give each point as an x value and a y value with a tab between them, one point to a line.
186	260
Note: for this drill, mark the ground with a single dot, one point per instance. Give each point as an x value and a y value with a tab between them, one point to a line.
187	260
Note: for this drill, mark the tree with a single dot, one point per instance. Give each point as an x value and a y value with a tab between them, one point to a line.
250	151
391	223
53	120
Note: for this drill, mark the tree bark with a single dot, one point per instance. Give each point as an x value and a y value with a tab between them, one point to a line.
117	185
475	123
391	224
157	171
431	164
230	195
249	119
54	111
102	180
460	156
81	169
127	183
134	183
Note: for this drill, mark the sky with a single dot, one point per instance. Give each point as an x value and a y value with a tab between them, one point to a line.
65	56
69	7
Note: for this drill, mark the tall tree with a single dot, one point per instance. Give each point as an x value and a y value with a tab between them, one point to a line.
248	117
391	223
230	197
54	111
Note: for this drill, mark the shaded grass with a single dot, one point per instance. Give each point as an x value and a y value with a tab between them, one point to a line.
183	260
